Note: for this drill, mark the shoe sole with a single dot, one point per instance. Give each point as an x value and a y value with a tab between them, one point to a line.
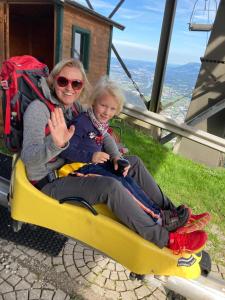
195	225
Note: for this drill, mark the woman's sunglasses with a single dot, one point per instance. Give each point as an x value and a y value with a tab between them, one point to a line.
76	84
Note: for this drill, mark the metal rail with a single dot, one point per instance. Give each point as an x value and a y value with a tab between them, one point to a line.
197	135
203	288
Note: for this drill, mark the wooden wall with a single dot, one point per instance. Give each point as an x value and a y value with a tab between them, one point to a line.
99	40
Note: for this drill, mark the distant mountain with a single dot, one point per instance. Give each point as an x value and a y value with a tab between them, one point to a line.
182	76
179	81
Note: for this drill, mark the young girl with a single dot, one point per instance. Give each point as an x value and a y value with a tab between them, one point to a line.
86	147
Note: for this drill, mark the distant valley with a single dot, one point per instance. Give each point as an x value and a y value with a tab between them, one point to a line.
178	85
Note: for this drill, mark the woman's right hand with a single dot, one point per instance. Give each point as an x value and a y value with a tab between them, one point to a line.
99	157
58	129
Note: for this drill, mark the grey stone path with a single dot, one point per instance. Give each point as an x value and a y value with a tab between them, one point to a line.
78	272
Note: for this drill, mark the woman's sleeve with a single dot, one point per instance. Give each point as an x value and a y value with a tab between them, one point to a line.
37	147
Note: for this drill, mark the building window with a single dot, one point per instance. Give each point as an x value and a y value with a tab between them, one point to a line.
81	45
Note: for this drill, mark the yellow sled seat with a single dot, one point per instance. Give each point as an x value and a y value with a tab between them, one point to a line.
103	232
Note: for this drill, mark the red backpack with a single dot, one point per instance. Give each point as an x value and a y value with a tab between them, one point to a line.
19	80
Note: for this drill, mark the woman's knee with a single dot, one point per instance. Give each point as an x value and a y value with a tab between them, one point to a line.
134	160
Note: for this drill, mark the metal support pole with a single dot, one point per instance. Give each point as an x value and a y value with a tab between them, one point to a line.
164	44
116	8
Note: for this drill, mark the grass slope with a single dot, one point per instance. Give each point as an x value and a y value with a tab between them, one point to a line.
184	181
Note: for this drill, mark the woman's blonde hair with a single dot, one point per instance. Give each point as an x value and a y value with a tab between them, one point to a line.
72	63
106	85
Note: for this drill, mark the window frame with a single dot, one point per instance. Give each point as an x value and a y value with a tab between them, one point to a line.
85	45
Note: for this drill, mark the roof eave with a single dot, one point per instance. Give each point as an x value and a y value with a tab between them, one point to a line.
94	13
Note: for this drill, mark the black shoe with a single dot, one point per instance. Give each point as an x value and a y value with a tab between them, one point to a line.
174	219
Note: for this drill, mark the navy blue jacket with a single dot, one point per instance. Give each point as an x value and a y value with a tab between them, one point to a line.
85	142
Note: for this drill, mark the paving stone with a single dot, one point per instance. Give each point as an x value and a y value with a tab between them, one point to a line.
102	264
91	264
97	270
57	261
130	285
106	273
22	272
72	271
68	260
98	290
16	252
88	252
79	248
159	295
9	247
142	292
110	284
40	256
120	286
82	281
48	261
5	274
13	280
59	295
100	280
114	276
31	252
122	276
91	277
5	288
22	295
23	257
22	285
68	249
31	278
80	263
84	270
78	255
10	296
112	295
60	268
129	295
98	257
111	266
119	267
88	258
47	294
35	294
73	242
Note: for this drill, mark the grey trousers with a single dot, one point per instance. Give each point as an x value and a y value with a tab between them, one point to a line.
100	189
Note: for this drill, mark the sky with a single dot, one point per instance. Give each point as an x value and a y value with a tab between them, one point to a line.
143	19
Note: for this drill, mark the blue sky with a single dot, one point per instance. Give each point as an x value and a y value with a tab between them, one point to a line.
143	20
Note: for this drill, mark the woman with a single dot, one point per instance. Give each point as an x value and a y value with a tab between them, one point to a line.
65	85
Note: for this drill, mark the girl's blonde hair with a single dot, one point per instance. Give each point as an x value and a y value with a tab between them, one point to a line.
106	85
72	63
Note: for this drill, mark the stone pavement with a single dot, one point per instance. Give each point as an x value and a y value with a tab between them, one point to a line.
77	272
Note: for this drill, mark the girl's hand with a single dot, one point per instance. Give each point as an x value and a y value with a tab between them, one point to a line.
99	157
58	129
126	169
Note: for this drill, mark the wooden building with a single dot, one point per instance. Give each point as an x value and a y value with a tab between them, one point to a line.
54	29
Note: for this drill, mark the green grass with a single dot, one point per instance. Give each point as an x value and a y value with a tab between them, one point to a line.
184	181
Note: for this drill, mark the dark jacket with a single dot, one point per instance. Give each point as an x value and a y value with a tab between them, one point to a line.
85	142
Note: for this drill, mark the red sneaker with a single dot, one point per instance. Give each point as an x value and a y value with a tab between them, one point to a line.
189	242
195	222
